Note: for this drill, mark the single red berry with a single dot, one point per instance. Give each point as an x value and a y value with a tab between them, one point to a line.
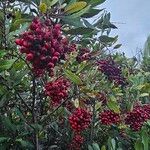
29	57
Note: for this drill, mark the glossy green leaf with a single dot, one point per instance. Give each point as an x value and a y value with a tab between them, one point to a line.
103	147
96	2
2	53
138	145
73	77
74	7
117	46
24	143
53	2
6	64
144	95
79	31
95	146
106	39
17	24
73	22
79	13
113	105
145	139
92	12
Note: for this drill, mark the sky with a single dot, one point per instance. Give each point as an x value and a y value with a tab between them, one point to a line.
133	19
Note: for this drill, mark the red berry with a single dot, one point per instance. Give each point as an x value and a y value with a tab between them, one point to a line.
54	59
108	117
50	65
18	42
44	41
136	118
29	57
57	90
80	119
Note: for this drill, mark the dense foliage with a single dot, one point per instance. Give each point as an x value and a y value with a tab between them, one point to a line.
63	86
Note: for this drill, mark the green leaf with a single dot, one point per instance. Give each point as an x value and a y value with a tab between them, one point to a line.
146	52
144	95
53	2
90	147
24	143
81	66
2	53
79	13
117	46
138	145
8	124
145	139
73	77
88	25
4	139
95	146
17	24
92	12
96	2
113	143
148	122
103	147
6	64
73	22
113	105
74	7
106	39
79	31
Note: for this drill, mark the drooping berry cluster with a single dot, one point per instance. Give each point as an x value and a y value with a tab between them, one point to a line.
84	54
80	119
44	45
112	71
108	117
136	118
77	142
57	90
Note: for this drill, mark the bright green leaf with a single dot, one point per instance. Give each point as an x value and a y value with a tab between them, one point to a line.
73	77
6	64
77	6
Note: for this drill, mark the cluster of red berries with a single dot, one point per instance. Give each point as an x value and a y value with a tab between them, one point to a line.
80	119
136	118
44	45
108	117
77	142
57	90
84	54
112	71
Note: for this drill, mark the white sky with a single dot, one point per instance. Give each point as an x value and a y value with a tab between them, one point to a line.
136	16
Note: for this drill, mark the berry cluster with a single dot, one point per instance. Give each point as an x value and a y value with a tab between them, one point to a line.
136	118
112	71
84	54
77	142
57	90
108	117
44	45
80	119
